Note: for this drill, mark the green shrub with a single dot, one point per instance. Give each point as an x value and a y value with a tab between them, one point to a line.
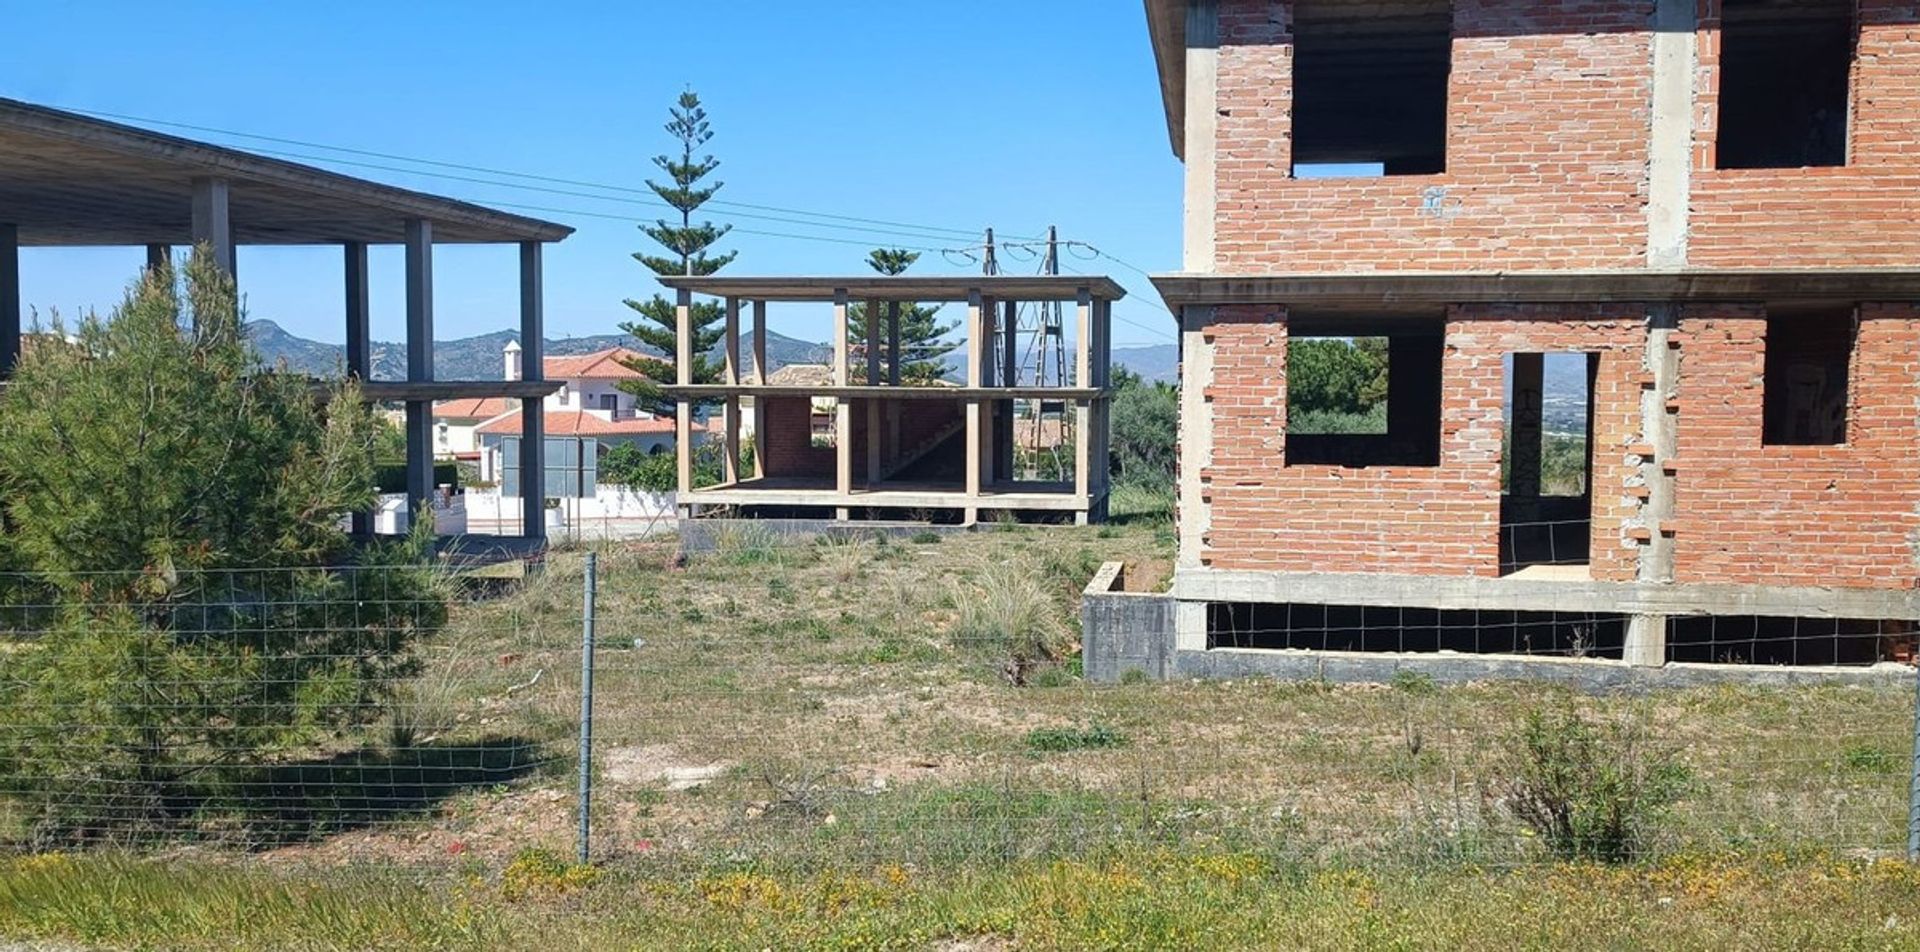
1869	759
1095	736
925	537
392	477
1007	615
1591	790
182	507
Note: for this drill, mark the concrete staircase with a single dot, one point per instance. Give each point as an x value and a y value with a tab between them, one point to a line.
920	451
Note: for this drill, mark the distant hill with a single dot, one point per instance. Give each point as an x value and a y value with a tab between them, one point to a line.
474	358
478	357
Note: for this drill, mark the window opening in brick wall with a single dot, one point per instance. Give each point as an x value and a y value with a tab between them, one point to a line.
1785	68
1395	629
1546	460
1749	639
1370	87
1364	398
1805	399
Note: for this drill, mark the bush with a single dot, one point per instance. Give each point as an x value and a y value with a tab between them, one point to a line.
142	461
628	465
1590	790
1143	430
392	477
1095	736
1007	615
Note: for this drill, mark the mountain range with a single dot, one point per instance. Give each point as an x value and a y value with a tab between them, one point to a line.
479	357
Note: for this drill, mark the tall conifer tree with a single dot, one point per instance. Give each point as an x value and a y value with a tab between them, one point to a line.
686	244
922	343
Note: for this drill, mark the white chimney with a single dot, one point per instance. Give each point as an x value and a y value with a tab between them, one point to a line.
512	352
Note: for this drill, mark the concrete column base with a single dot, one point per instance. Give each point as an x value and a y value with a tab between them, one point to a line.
1646	645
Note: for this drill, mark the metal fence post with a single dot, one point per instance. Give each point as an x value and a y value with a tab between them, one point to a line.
1913	780
586	710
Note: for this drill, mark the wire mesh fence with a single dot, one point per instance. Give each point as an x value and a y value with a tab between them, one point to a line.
848	701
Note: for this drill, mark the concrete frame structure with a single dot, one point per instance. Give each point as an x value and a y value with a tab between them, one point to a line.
68	180
1674	293
871	413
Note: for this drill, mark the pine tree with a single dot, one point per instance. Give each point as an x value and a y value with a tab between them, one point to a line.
921	333
687	244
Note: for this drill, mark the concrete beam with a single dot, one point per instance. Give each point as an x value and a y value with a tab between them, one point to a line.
1390	290
212	224
533	420
419	258
1200	584
1583	674
10	315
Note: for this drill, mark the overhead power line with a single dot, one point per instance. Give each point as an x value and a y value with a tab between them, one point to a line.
509	173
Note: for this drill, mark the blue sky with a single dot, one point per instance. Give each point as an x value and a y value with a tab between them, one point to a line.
958	115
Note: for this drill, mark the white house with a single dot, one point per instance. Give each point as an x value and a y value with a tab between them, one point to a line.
588	415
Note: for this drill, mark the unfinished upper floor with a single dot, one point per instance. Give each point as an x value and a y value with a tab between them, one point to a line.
1482	135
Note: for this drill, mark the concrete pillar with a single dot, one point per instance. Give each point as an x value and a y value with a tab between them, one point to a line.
683	376
359	312
359	350
1195	433
1202	122
9	299
1524	439
533	421
212	226
419	255
1670	142
1083	410
1659	425
1646	641
842	407
1008	375
159	256
760	368
730	411
893	343
976	318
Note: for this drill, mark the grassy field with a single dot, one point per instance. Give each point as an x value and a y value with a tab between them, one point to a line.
822	744
1157	900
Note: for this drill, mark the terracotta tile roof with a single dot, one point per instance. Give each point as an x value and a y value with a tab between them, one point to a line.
582	423
472	408
599	365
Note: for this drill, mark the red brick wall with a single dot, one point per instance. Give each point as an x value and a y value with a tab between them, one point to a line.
1441	520
1797	515
1865	213
1548	116
790	449
787	421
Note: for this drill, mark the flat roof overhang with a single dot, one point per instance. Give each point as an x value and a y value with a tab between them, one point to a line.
1403	289
72	180
1064	287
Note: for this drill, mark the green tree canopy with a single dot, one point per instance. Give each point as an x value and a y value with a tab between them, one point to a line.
177	509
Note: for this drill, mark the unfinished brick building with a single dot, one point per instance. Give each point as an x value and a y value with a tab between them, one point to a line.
1704	213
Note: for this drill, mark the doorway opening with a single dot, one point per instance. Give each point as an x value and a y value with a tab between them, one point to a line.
1546	464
